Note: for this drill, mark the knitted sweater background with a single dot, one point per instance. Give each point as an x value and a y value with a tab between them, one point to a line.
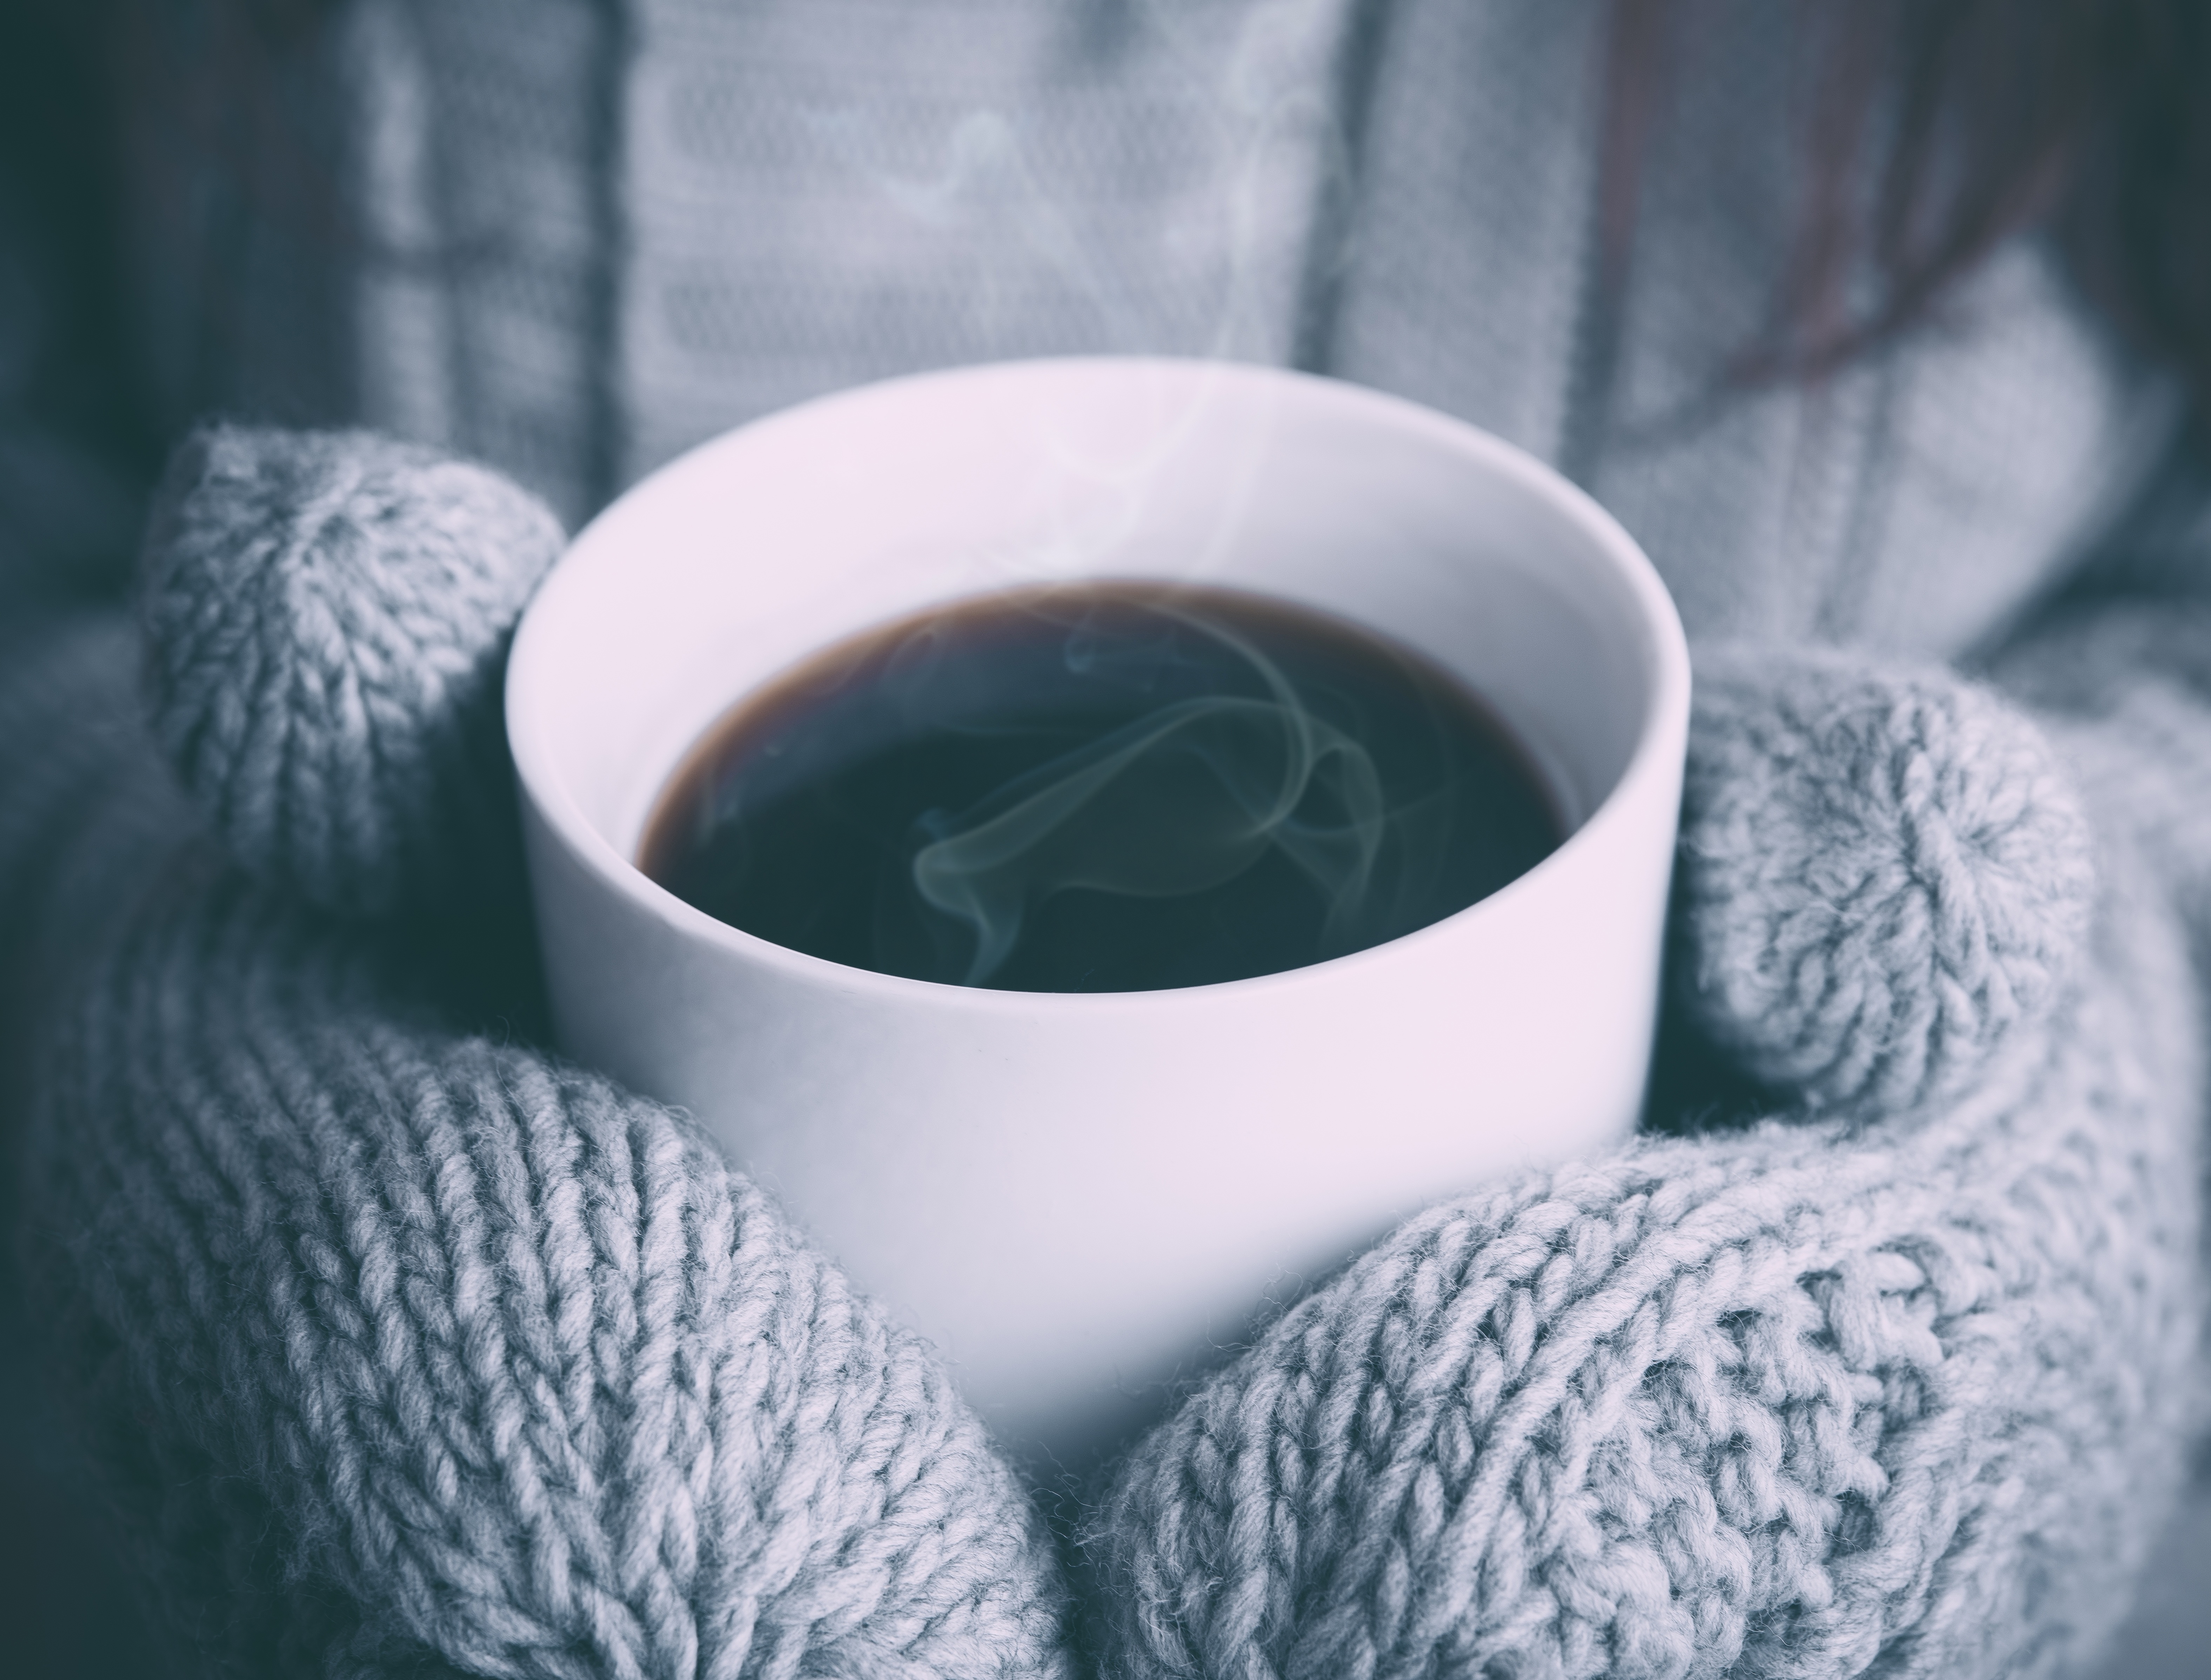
409	1351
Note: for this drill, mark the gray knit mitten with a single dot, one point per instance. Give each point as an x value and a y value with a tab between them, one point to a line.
1896	1380
413	1350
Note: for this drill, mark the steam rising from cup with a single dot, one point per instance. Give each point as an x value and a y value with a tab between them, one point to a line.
1118	786
1185	798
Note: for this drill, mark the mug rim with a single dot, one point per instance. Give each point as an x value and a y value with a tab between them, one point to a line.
533	662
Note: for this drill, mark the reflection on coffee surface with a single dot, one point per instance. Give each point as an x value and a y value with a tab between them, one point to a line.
1107	787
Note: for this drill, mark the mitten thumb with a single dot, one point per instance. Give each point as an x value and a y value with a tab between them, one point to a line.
326	617
1884	875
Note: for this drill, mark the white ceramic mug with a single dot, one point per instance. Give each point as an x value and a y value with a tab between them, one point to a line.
1077	1196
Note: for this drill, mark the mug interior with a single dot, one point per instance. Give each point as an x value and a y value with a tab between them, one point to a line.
758	549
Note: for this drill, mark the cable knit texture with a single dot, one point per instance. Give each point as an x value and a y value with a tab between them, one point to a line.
414	1351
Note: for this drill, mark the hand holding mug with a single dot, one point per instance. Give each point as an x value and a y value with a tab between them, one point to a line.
629	1347
1076	1196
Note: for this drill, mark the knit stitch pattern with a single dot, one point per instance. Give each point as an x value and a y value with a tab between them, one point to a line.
414	1351
360	756
1887	875
2129	686
409	1350
1890	1392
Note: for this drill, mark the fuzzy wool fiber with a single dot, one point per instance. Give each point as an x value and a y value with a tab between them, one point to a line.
413	1350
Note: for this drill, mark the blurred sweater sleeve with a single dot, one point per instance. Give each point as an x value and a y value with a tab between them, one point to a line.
81	795
87	816
2121	675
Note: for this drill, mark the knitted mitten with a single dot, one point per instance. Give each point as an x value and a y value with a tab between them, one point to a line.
1897	1380
409	1350
415	1348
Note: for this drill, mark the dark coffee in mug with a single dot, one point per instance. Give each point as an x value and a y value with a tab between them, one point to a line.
1107	786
